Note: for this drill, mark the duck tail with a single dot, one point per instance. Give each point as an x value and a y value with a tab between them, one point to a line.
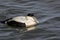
5	20
2	22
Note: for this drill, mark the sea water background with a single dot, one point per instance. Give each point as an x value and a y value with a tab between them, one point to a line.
46	11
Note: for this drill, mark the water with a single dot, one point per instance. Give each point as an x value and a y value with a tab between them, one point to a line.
46	11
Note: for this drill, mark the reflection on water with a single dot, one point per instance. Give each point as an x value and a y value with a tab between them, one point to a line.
46	11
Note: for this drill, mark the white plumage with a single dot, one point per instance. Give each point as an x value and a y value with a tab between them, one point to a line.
29	21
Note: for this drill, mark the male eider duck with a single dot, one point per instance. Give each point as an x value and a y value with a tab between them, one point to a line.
28	21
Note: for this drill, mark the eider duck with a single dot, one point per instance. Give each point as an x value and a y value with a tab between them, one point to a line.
22	21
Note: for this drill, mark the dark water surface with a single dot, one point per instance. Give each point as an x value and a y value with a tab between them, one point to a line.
46	11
